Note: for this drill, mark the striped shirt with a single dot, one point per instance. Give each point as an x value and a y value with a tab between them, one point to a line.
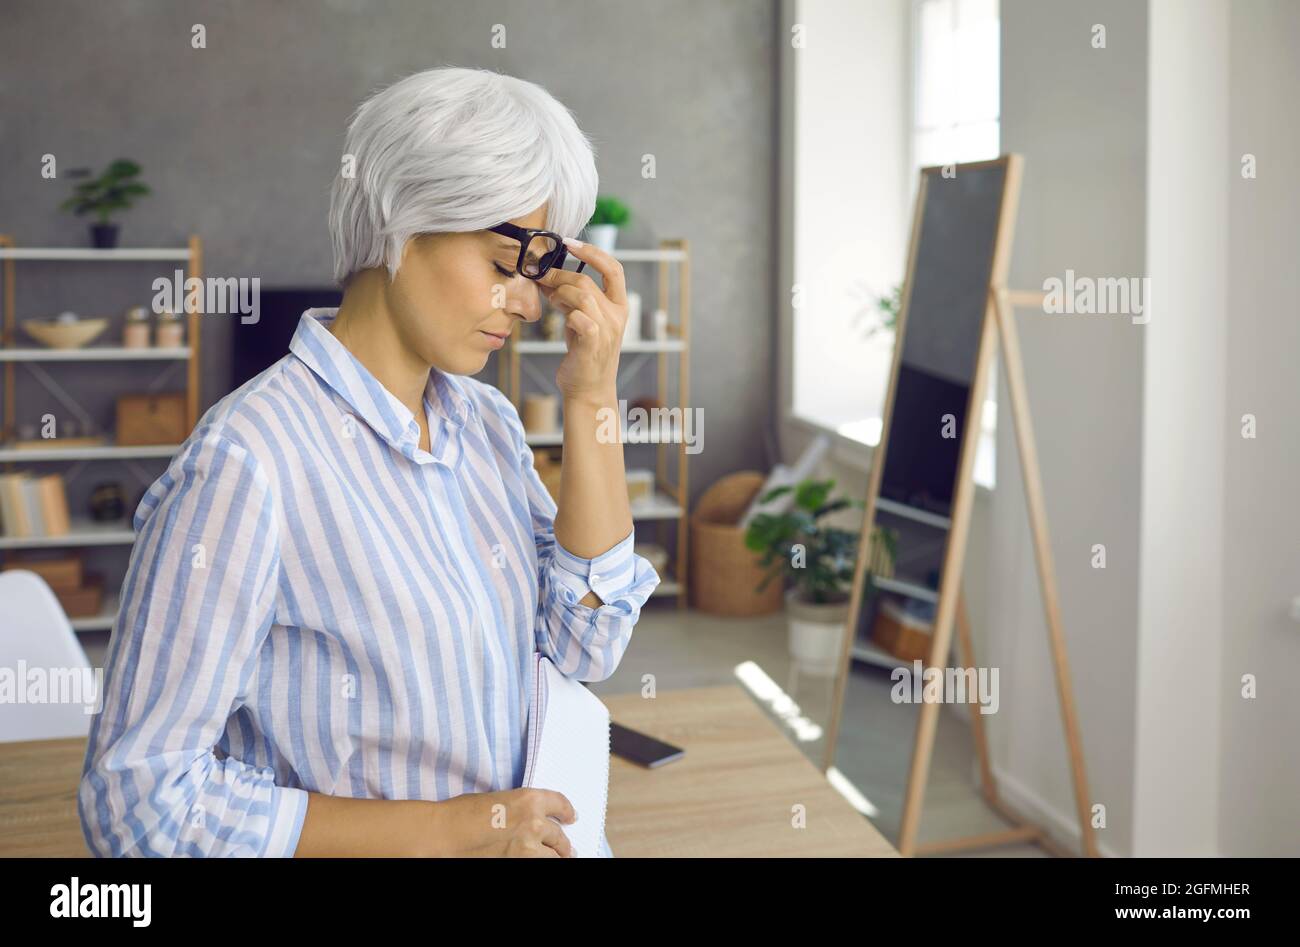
315	603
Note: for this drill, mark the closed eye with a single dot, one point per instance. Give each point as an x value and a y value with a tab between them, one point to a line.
506	273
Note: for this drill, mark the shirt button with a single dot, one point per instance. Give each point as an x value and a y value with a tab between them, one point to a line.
594	577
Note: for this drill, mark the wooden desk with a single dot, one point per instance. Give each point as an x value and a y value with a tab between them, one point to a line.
38	799
731	794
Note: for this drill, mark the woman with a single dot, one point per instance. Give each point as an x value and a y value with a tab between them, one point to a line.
329	619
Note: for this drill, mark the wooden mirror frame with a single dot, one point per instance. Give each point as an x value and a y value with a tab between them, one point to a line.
949	593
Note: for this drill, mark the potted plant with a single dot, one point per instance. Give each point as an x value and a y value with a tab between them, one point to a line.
881	312
609	216
816	560
113	191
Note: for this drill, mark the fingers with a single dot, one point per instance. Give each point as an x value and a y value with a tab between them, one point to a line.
536	817
582	324
557	279
615	286
610	269
553	837
592	304
556	804
550	806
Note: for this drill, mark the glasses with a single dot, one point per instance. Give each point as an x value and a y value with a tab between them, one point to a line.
539	250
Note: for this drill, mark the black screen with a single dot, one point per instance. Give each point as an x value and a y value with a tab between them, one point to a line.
921	460
257	346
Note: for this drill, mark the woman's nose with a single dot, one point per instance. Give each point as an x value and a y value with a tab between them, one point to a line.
529	302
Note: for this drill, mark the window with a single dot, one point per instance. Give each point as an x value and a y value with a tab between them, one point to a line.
866	113
849	135
955	84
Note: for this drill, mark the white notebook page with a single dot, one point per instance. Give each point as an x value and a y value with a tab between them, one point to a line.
570	752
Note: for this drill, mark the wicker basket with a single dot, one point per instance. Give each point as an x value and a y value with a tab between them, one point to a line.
724	573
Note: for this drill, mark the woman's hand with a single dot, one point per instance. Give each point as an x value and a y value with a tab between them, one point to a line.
523	826
593	327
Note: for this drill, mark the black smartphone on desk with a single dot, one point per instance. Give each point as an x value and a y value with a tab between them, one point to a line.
639	748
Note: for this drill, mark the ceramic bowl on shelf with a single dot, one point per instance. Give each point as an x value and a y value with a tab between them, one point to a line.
65	334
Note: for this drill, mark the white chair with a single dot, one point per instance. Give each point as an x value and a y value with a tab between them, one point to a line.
35	631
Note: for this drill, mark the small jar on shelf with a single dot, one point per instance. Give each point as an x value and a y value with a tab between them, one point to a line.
171	331
553	326
135	335
661	328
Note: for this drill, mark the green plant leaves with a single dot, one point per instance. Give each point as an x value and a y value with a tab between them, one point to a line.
113	190
609	210
825	567
811	494
775	492
123	168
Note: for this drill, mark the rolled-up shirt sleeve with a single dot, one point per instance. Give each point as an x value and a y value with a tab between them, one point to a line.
197	605
584	643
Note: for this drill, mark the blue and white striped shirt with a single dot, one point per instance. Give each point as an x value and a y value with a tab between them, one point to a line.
315	603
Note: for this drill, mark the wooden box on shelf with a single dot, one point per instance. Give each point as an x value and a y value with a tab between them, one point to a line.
146	419
85	601
81	595
60	572
902	635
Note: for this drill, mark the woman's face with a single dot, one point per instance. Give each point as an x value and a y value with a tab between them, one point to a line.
457	296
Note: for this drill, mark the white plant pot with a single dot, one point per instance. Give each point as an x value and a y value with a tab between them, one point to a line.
816	634
603	236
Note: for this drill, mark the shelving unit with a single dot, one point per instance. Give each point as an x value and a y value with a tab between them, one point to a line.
670	500
11	455
870	653
83	532
92	353
86	533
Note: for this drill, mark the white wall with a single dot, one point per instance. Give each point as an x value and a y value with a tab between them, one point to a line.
1078	115
1260	768
1133	165
1177	761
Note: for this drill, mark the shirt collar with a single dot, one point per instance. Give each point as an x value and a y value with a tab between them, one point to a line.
325	355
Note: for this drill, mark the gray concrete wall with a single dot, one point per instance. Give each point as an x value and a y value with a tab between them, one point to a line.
239	142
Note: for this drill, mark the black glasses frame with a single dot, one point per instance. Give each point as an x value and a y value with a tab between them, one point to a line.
547	261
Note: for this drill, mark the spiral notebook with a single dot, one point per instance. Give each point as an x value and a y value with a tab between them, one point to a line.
568	751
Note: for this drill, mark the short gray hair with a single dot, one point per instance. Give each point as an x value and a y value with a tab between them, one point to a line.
455	150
